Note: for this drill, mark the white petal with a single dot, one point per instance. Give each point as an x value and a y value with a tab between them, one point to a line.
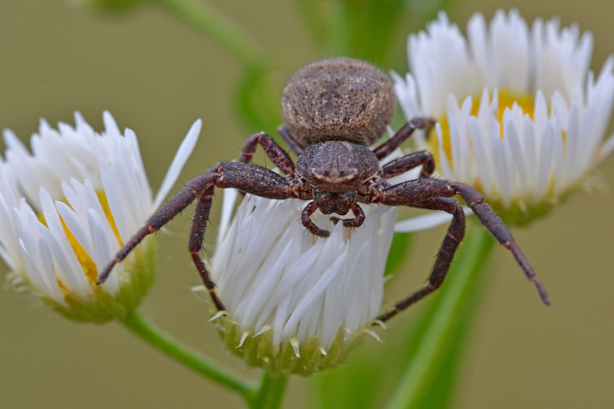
181	157
422	222
230	197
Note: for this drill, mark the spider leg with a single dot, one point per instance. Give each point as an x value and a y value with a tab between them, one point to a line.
407	162
420	190
242	176
311	226
292	143
272	149
197	236
172	208
401	136
455	234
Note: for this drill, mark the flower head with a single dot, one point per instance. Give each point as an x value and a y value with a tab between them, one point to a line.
296	303
531	119
68	207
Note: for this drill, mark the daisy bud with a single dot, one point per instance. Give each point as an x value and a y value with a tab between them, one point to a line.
69	206
521	117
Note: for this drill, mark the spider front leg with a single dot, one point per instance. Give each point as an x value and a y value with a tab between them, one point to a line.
277	154
165	214
413	192
401	136
242	176
456	233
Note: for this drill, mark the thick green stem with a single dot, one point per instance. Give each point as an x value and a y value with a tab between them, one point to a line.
173	349
216	26
271	392
435	343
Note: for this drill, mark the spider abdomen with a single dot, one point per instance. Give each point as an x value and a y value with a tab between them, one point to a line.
339	99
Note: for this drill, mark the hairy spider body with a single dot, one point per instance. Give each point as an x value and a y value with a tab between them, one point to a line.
333	110
341	99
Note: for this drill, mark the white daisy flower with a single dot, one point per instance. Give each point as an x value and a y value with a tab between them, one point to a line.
296	303
68	207
521	117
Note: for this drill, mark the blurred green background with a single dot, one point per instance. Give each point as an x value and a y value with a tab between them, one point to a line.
157	76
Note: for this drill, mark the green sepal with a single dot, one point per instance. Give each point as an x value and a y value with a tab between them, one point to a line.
140	269
290	356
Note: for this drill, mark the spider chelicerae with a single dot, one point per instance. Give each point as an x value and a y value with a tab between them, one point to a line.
333	111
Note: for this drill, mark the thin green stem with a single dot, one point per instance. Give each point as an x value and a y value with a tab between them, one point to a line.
271	392
434	344
217	26
316	18
180	353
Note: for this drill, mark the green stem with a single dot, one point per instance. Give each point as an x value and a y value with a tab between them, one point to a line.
316	18
217	26
271	392
173	349
433	346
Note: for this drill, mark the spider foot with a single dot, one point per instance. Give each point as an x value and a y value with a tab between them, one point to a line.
541	290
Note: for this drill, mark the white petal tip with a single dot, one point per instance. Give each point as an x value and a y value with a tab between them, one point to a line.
243	338
219	314
264	330
296	346
181	157
380	323
372	334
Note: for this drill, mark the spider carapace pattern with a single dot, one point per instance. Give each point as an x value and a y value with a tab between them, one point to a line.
333	111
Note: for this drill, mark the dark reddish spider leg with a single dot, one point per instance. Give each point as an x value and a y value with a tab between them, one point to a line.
172	208
407	162
357	221
455	234
401	136
292	143
272	149
197	236
242	176
415	191
311	226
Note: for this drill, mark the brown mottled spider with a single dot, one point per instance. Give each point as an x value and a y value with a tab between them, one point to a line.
333	110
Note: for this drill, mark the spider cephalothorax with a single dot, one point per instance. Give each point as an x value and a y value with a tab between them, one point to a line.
333	111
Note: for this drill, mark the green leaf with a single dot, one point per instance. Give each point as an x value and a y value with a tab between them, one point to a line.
441	344
440	393
398	252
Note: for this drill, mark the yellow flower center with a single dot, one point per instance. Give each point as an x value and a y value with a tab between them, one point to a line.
88	265
507	99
